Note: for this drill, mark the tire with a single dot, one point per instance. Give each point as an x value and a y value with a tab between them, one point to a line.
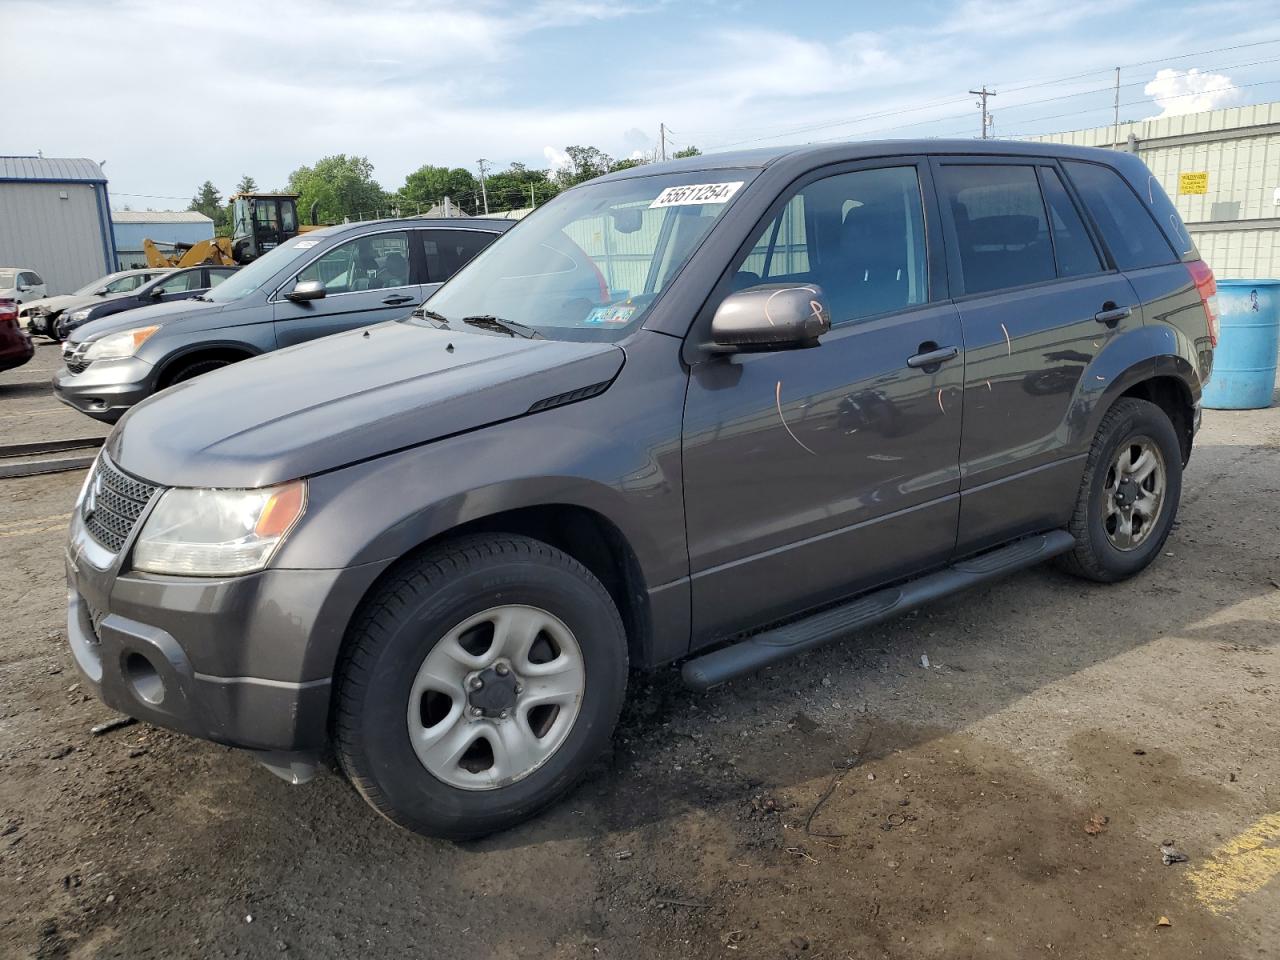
189	371
1131	425
409	628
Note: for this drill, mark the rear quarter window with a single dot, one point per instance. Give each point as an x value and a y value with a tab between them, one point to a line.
1130	233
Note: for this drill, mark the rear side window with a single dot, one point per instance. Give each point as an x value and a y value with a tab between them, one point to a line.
1127	229
448	251
1072	247
1001	231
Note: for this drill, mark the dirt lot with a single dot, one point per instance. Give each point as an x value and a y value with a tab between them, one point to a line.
851	804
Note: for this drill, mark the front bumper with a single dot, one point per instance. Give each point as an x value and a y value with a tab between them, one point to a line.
243	661
105	389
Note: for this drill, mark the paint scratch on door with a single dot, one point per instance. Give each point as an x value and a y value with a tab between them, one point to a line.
777	398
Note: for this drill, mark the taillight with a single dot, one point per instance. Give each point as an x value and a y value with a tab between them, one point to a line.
1207	287
9	312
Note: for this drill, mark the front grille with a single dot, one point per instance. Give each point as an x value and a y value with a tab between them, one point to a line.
73	357
113	503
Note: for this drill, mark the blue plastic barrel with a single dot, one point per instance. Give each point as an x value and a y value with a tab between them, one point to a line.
1244	364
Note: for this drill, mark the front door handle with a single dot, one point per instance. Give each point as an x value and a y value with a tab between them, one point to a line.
933	358
395	300
1111	314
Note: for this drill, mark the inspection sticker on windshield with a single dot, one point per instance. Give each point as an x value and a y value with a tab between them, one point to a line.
614	313
305	244
696	193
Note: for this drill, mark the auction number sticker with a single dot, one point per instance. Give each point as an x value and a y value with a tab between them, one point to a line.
696	193
306	244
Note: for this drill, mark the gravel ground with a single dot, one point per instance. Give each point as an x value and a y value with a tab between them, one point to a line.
1008	801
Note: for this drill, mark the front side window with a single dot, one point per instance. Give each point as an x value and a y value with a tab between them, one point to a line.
217	276
1127	229
590	264
858	236
183	282
289	217
1001	231
448	251
366	263
125	284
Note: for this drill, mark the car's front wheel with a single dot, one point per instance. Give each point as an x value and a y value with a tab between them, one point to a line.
477	684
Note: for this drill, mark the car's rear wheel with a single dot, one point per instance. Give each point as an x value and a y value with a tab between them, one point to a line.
1129	495
478	684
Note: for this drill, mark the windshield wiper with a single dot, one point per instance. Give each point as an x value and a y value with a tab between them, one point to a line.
438	318
487	321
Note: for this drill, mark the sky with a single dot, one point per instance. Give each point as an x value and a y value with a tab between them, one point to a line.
170	94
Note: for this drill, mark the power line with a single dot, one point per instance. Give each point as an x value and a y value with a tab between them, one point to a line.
1007	89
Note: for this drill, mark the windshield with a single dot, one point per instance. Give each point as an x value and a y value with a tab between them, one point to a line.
8	278
588	265
248	279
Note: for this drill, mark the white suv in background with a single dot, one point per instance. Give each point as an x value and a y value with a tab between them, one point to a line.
20	284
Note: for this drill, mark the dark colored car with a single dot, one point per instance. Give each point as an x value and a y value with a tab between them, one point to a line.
319	283
16	347
169	286
726	409
41	316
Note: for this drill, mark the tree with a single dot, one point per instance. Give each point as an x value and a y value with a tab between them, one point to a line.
343	186
628	163
584	164
431	184
247	185
686	152
207	201
518	187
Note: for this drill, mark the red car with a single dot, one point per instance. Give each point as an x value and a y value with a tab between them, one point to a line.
16	347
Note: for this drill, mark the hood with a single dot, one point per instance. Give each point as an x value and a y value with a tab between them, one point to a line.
344	398
66	301
154	313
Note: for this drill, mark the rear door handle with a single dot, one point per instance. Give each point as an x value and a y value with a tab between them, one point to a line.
933	357
1113	314
395	300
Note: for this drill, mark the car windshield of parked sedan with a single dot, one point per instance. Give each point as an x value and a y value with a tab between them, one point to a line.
589	264
249	279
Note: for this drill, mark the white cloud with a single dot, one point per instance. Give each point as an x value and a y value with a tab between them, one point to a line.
1177	92
556	159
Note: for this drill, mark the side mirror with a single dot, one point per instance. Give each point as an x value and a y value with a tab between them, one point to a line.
157	292
775	316
305	290
24	288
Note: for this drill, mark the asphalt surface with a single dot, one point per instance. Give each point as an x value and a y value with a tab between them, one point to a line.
1008	801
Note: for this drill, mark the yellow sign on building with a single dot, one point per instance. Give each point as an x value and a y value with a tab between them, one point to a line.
1193	182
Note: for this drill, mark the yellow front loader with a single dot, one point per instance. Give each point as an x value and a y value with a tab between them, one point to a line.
260	222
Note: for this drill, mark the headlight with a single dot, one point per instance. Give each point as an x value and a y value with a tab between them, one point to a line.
78	315
215	533
115	346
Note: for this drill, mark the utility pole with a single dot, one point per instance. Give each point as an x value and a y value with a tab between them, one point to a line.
987	121
1116	138
662	138
483	192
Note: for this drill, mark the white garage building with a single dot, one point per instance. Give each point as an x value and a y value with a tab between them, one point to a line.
1222	170
55	219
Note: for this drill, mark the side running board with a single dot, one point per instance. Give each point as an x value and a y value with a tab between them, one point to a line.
771	646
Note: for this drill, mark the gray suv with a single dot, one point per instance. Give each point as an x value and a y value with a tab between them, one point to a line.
319	283
720	410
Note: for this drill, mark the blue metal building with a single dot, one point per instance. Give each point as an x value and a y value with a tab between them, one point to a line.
163	227
55	219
